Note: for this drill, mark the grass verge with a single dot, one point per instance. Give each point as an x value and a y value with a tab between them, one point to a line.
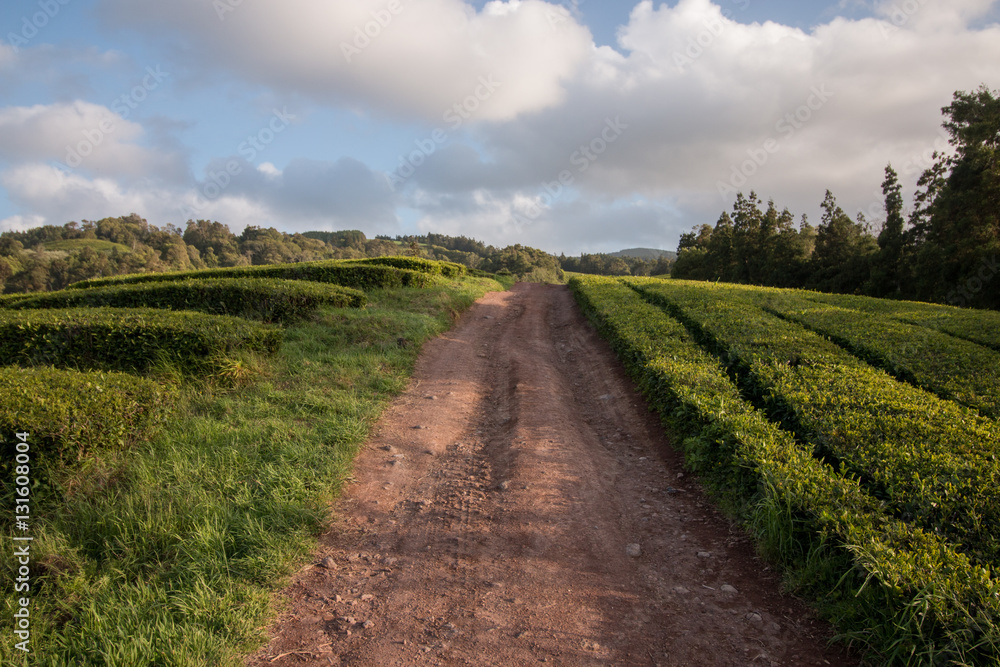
169	553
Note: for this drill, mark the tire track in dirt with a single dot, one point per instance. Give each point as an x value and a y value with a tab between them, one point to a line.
492	513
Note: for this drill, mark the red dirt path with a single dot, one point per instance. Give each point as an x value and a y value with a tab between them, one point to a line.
492	513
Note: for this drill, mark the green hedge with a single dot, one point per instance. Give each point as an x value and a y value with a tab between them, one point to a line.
933	461
951	367
978	326
128	340
265	299
434	267
910	598
6	300
68	413
337	272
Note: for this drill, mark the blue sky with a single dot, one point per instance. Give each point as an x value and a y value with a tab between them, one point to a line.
587	126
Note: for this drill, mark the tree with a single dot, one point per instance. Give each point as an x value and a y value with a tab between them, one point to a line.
888	266
842	257
958	212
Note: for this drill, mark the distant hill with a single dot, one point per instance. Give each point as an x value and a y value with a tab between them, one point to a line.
73	245
645	253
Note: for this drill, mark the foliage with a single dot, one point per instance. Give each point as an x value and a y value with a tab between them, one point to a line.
982	327
173	555
69	413
134	340
932	461
265	299
901	592
447	269
750	246
336	272
950	367
947	251
620	264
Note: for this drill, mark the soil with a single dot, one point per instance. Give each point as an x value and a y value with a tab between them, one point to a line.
519	504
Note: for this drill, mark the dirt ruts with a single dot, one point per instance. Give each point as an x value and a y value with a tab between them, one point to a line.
519	504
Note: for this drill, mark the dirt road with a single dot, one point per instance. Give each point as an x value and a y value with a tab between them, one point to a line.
519	504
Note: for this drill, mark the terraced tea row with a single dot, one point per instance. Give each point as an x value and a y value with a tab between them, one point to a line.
132	340
978	326
933	461
264	299
908	592
361	274
70	413
953	368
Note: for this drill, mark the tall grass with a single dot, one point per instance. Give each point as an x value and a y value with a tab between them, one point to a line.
168	554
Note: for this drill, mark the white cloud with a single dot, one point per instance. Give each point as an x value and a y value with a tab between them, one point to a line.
700	98
834	105
304	195
567	224
8	57
417	57
83	135
20	223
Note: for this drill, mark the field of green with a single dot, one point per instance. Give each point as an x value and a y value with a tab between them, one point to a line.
182	460
856	438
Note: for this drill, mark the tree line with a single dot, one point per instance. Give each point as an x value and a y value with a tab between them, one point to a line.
945	249
51	257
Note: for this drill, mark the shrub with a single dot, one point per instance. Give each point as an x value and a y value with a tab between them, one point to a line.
68	413
337	272
434	267
128	340
903	592
268	300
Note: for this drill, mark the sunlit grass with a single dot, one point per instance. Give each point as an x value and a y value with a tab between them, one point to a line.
169	554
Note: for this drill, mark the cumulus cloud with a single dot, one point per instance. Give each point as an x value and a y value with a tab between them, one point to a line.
417	57
713	106
306	194
83	135
645	139
7	56
570	223
21	223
